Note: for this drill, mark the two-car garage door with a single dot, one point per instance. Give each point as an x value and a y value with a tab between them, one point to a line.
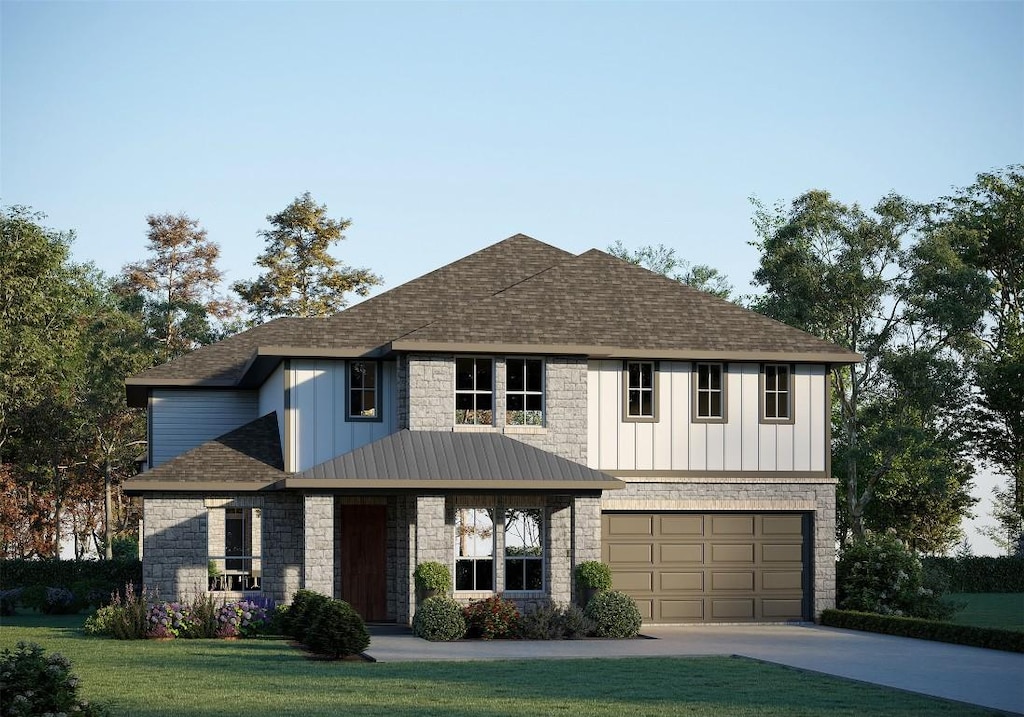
711	567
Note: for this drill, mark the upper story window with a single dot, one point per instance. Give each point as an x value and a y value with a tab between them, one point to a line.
524	392
363	390
709	392
641	395
777	399
474	391
474	549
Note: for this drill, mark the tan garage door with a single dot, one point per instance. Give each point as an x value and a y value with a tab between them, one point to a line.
711	567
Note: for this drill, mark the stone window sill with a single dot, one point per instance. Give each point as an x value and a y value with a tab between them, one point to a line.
526	430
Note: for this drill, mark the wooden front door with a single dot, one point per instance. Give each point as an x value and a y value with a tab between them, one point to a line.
363	562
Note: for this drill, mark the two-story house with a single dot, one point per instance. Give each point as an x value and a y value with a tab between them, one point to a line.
510	415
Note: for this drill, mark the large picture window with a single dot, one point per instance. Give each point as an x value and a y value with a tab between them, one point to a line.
524	553
474	549
474	391
778	404
363	391
524	392
235	562
709	402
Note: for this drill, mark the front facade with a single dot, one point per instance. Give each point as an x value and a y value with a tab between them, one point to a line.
509	415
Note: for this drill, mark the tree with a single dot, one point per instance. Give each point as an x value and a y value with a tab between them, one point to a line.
176	288
844	274
663	260
301	277
1008	531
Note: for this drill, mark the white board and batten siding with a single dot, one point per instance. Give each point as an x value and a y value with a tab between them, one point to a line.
183	420
272	397
319	427
675	442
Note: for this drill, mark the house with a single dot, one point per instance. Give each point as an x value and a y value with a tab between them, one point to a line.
510	415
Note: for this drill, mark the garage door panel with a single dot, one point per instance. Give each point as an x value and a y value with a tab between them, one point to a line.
630	553
790	580
732	525
646	608
782	609
681	524
681	581
732	553
732	581
633	581
681	610
774	553
735	609
782	525
630	525
674	553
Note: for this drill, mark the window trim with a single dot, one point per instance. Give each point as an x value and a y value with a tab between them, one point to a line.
542	558
762	395
378	402
249	575
474	392
655	382
474	559
694	392
524	393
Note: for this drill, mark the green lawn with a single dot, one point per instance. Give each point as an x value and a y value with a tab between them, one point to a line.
267	677
1004	610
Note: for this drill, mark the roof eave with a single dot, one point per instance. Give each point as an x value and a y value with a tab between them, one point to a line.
265	359
138	487
435	484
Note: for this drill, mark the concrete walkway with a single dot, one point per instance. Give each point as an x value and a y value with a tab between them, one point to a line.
990	678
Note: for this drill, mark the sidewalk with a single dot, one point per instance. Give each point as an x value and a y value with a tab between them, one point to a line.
990	678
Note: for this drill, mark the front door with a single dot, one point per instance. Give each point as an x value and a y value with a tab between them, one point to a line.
363	566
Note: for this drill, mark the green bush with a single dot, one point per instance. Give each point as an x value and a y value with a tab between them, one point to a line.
107	575
981	574
33	683
439	619
879	574
303	611
593	575
129	618
492	619
614	614
433	576
936	630
101	622
9	600
337	631
554	622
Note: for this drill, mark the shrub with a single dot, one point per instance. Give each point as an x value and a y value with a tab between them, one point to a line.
337	631
577	624
101	622
107	575
439	619
593	575
544	622
32	683
241	619
982	574
204	622
879	574
129	620
302	612
9	601
991	638
433	576
491	619
169	619
614	614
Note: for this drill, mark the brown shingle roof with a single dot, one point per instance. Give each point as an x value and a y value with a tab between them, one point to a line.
247	458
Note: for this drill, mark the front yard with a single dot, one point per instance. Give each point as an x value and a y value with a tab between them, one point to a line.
268	677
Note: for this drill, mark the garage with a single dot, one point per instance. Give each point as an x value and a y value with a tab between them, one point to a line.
711	567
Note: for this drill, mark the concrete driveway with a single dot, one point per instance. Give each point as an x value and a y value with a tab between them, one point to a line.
989	678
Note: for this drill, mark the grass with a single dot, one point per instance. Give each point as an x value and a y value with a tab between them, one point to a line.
268	677
1002	610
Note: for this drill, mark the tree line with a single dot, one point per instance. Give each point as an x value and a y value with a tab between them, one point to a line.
928	293
70	335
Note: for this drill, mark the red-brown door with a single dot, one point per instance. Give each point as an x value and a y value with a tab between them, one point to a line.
363	547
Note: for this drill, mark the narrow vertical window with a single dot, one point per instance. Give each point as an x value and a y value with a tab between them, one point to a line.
640	391
474	391
710	400
524	554
474	549
363	389
524	392
234	559
777	392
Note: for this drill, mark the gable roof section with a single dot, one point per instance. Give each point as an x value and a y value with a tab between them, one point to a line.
595	304
447	460
246	459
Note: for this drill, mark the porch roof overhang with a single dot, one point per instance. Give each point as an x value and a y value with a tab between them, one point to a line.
447	461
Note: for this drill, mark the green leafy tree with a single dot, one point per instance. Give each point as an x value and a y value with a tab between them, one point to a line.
663	260
176	289
872	282
301	277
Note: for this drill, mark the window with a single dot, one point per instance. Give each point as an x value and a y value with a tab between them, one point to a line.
363	390
474	549
640	398
474	391
524	392
710	392
777	392
235	538
524	555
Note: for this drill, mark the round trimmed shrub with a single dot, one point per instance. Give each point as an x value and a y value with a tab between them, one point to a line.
33	683
433	576
303	611
439	619
593	575
614	614
337	631
493	618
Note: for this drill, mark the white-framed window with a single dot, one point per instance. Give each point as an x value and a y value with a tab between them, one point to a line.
640	388
709	391
524	392
474	391
235	561
364	390
524	549
474	549
777	398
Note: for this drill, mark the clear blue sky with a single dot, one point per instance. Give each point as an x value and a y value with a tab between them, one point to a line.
442	128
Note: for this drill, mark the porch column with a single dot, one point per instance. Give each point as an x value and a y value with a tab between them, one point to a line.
318	543
560	543
586	530
431	540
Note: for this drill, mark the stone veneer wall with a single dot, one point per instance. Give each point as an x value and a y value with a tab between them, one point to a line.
750	494
318	543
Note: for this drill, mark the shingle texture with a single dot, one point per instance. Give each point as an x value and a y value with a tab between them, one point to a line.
248	454
453	456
